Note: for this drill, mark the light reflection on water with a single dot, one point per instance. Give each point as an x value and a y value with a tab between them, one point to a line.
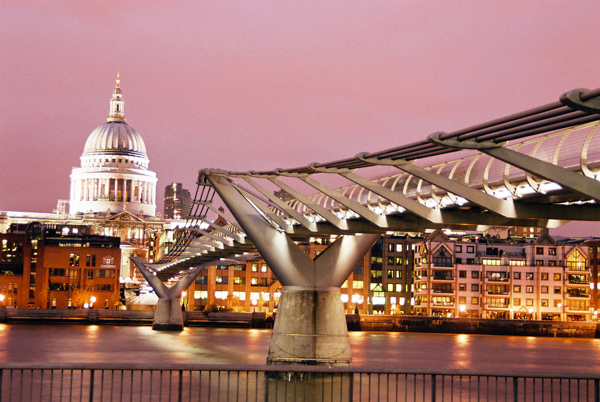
131	344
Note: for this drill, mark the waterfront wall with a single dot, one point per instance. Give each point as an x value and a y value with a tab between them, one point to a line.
390	323
130	317
473	326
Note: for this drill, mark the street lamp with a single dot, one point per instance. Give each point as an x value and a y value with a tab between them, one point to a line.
92	301
2	300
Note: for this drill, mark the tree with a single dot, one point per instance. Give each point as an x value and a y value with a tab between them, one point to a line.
79	297
42	296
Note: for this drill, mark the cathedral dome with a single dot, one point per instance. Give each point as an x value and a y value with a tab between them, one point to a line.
114	173
115	138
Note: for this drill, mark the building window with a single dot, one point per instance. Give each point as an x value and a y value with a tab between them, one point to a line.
462	300
475	300
475	287
544	276
529	276
557	277
358	284
442	258
544	289
517	301
90	260
398	274
539	251
462	287
517	289
576	261
529	302
458	260
471	261
552	251
57	272
529	289
390	287
470	249
398	287
557	290
458	249
557	303
104	287
263	267
390	274
255	267
74	260
398	248
359	271
254	281
539	263
222	280
462	274
475	274
239	267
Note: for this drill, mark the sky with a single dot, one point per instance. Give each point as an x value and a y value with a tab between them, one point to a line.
256	85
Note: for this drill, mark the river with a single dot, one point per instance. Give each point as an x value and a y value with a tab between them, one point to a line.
138	344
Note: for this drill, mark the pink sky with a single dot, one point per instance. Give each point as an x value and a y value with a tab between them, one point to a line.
259	85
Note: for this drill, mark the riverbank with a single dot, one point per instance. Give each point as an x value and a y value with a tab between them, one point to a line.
387	323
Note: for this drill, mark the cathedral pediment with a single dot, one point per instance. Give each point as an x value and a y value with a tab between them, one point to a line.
125	216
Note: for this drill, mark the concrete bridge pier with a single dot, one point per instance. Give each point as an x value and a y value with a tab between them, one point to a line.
310	326
168	315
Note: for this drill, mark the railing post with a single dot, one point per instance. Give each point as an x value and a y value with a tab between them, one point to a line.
350	387
515	389
433	384
596	390
92	385
180	394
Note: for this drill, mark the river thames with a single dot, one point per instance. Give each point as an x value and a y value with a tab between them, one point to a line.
27	343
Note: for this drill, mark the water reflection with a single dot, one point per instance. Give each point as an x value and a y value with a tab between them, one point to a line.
407	351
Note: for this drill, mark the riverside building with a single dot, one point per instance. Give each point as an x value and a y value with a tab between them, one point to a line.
491	277
58	268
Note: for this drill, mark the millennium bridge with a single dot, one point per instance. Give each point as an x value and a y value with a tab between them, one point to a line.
539	167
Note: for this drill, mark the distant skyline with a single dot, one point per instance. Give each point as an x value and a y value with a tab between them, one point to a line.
265	84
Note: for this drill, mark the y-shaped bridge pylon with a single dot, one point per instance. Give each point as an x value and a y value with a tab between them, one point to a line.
310	327
168	314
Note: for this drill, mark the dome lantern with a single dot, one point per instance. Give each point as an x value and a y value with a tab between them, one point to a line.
117	104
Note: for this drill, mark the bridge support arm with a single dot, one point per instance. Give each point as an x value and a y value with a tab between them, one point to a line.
168	314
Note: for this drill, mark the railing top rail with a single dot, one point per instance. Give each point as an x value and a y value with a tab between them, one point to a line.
293	368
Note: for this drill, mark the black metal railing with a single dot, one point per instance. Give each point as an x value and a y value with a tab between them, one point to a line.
104	382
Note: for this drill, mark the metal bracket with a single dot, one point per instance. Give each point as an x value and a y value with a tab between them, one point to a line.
573	100
467	144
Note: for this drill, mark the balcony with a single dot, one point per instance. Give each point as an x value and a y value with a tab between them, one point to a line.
577	292
436	303
496	277
576	267
496	306
578	280
443	275
497	290
443	289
